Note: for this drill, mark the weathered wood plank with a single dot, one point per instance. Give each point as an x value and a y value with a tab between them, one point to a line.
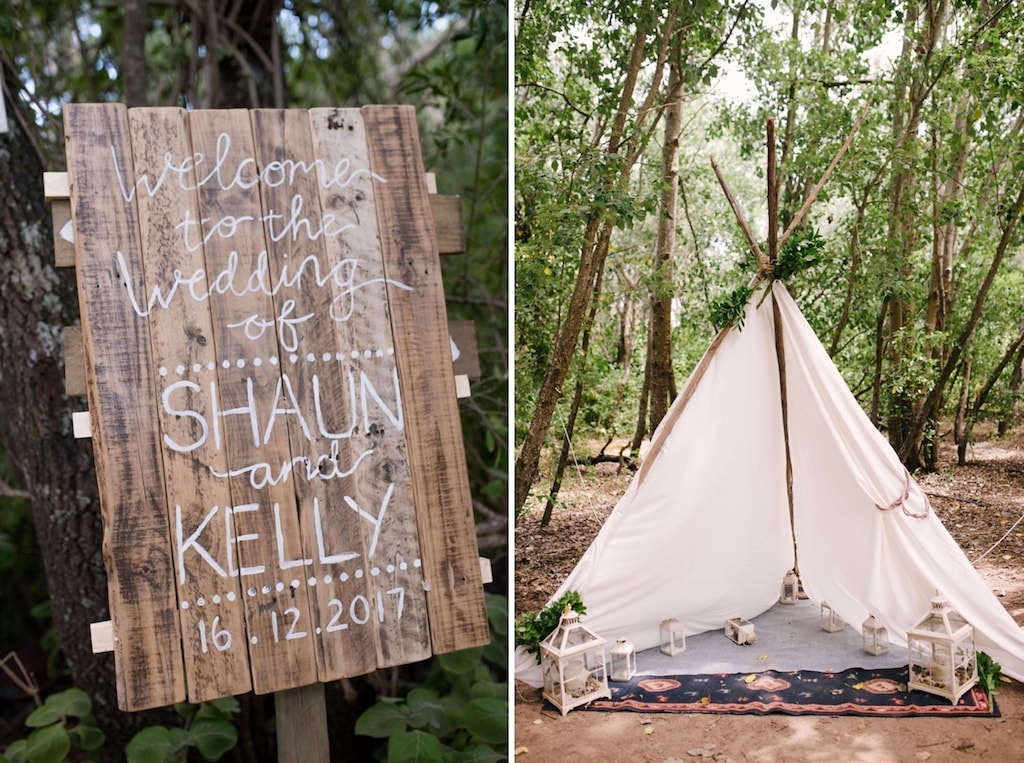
447	212
253	404
301	722
455	600
384	485
463	334
319	371
184	361
122	391
74	362
63	237
465	353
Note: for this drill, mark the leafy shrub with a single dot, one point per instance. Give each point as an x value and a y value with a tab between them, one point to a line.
533	627
63	721
458	715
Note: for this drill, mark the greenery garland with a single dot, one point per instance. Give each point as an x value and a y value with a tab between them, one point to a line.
534	627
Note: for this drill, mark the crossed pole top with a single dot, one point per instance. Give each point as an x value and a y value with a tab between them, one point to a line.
766	262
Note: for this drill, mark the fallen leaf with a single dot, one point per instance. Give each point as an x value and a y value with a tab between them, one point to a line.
706	700
922	755
649	730
750	679
523	750
861	726
859	685
539	722
763	657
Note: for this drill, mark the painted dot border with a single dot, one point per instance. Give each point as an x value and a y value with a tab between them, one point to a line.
292	359
295	583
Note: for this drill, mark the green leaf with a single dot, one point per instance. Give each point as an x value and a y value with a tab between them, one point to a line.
414	747
497	613
72	703
490	689
487	719
213	737
16	753
424	709
158	744
49	744
479	754
221	709
43	716
87	736
462	661
381	721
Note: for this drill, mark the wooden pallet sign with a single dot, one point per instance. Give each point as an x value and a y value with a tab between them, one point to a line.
269	378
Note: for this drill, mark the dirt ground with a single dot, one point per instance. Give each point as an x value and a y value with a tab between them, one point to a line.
982	505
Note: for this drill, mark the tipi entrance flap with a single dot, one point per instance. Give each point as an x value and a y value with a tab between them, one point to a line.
705	535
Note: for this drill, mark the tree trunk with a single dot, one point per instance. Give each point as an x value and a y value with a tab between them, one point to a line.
961	429
133	53
661	379
930	406
577	398
908	99
971	416
36	302
594	250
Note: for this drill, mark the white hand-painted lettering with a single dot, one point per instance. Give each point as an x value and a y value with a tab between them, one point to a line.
244	174
324	467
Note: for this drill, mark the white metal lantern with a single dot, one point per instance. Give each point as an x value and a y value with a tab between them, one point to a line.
673	639
941	652
740	631
572	662
830	619
790	585
623	659
874	636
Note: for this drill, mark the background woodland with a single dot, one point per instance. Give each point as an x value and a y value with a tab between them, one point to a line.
628	259
447	58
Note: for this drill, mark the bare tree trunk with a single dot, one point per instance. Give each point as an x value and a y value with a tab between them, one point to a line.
592	256
931	404
133	53
908	99
36	302
961	429
574	409
876	378
1013	351
661	379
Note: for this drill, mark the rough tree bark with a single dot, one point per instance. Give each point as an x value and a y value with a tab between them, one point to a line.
591	261
661	378
36	302
909	96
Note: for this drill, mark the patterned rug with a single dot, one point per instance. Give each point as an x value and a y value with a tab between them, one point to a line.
857	691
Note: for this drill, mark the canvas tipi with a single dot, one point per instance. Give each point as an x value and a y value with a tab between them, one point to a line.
765	463
705	530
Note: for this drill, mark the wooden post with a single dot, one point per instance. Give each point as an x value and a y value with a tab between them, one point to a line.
773	197
301	720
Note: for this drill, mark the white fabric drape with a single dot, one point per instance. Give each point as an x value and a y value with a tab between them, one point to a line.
705	534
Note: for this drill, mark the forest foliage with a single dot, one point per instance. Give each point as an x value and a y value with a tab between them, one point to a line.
911	272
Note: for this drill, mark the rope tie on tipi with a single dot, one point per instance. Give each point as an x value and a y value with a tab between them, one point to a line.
900	502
